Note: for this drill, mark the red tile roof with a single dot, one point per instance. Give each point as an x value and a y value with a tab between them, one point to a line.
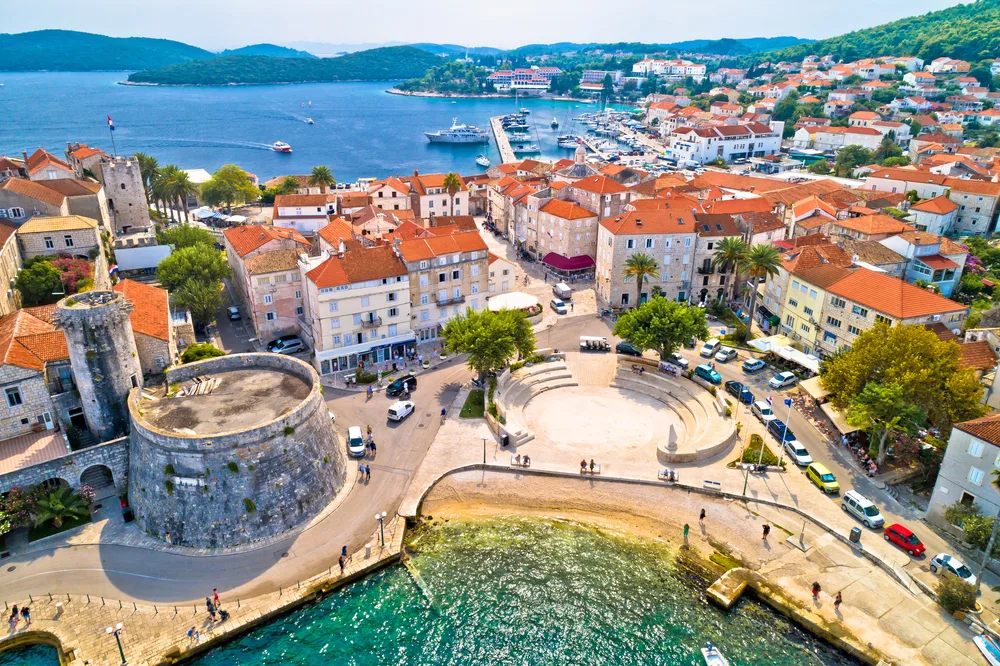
337	230
977	355
599	185
892	296
41	158
425	248
986	428
301	200
249	238
874	224
941	205
29	342
33	190
71	187
358	265
566	210
673	220
937	262
150	310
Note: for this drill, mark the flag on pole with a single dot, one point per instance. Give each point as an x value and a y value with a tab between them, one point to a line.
112	269
111	124
788	402
769	401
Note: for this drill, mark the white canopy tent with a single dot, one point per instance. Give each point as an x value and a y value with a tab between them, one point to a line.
515	300
781	346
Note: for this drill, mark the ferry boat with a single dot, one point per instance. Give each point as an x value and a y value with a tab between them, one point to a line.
281	147
713	657
482	160
458	134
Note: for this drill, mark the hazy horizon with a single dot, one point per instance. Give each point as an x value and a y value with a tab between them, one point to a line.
229	24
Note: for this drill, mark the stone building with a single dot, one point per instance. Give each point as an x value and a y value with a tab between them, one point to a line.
43	165
566	229
72	234
151	325
965	477
21	200
10	264
103	353
428	198
126	194
598	194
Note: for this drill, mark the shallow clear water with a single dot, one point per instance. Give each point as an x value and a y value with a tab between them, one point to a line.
518	592
359	130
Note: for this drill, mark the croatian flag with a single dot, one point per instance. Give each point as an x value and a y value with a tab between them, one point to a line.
788	402
769	401
113	269
111	124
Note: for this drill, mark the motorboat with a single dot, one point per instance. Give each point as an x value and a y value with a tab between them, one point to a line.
525	111
568	141
482	160
281	147
519	136
458	134
554	124
310	121
713	657
528	148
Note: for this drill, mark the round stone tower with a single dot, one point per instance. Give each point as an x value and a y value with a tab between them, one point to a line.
103	355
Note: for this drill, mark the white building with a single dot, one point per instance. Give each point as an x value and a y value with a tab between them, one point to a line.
305	213
703	144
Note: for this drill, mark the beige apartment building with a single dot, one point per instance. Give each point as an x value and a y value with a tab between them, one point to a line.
73	234
428	198
447	275
10	264
357	308
390	194
566	229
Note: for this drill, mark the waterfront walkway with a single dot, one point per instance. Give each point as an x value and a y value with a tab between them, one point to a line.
503	142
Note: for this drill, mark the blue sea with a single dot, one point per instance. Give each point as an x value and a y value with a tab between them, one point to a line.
359	131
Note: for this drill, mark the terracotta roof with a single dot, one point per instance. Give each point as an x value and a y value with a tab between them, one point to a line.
762	222
71	187
977	355
922	238
941	331
874	224
892	296
716	225
790	195
391	183
41	158
566	210
679	220
986	428
941	205
599	185
28	342
360	265
982	187
33	190
871	252
814	221
436	246
738	206
937	262
909	175
337	230
811	256
300	200
822	276
58	223
462	222
353	199
150	309
84	151
249	238
811	204
272	262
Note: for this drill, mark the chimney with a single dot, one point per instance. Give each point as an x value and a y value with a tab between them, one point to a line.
25	156
415	173
341	248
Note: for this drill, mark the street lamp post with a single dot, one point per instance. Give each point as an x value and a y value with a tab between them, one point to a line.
116	632
380	517
484	450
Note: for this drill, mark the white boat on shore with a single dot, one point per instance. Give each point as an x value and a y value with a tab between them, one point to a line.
713	657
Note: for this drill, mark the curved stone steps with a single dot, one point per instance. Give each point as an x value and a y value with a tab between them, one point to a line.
694	428
677	391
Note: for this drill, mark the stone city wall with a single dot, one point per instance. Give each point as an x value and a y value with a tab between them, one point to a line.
69	468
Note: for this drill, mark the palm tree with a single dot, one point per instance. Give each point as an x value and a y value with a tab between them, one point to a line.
288	185
761	261
323	177
181	188
58	505
164	186
640	266
729	253
453	185
148	168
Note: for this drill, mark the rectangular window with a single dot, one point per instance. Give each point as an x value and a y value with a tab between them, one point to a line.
393	312
425	315
335	322
853	330
16	212
261	281
442	277
68	240
423	299
879	319
833	322
267	299
837	302
280	279
49	244
687	242
298	293
812	293
299	310
423	264
456	275
270	316
975	476
793	303
975	448
789	321
334	306
391	297
804	328
475	271
14	397
860	311
795	284
649	243
630	244
475	288
364	301
808	311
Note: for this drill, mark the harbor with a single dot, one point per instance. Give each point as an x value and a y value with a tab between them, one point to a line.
503	141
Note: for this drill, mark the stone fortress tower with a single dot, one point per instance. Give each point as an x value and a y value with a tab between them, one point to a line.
103	354
126	194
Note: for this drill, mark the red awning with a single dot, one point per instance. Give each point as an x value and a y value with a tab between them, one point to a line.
937	262
561	263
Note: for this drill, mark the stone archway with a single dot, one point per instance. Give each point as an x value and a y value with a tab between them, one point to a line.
54	482
101	479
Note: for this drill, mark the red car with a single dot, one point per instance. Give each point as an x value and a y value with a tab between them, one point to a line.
905	539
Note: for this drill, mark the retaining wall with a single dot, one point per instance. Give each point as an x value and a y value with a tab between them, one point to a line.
113	455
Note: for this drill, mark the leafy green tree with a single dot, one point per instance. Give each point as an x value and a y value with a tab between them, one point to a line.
822	168
786	108
39	283
607	89
662	324
990	139
322	177
640	266
201	351
902	160
850	158
185	235
452	184
883	409
491	339
761	261
954	594
197	262
229	185
886	149
58	505
288	185
203	299
729	254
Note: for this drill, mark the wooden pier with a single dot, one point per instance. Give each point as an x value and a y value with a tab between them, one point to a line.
503	142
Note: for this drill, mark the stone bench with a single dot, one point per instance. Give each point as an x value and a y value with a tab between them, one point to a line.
588	470
713	485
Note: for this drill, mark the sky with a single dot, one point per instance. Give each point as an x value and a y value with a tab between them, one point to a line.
220	24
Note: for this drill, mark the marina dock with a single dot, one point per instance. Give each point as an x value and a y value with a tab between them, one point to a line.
587	141
503	143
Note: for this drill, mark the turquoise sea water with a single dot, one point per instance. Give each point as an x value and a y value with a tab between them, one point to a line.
359	130
518	592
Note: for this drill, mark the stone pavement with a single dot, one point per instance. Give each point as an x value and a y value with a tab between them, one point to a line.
158	634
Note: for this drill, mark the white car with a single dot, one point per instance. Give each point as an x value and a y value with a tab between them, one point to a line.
798	453
355	442
725	355
782	380
948	565
400	410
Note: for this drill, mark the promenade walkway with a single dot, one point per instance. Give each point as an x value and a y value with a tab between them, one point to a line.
503	142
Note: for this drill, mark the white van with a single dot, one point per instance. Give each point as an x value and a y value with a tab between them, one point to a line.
563	291
711	348
862	508
762	410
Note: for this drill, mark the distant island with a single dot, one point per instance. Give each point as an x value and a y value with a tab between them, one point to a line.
71	51
272	50
383	64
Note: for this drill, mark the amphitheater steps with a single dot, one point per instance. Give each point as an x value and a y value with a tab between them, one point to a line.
593	368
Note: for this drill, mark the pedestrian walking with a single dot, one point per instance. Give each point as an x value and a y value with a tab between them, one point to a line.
572	305
836	602
215	596
210	607
369	432
14	617
767	530
368	472
194	634
168	539
373	448
343	564
701	516
26	614
343	551
815	590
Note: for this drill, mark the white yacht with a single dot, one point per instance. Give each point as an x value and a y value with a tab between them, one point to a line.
482	160
568	141
458	134
529	148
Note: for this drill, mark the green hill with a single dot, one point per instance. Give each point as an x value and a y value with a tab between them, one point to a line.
384	64
70	51
966	32
268	50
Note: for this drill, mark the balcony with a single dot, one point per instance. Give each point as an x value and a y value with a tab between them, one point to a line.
706	270
371	322
449	300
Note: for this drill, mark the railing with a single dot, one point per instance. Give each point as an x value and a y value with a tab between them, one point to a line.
448	300
706	270
371	322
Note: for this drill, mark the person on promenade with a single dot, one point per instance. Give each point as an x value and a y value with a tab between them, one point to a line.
373	448
343	550
701	516
343	564
14	617
369	431
583	465
167	538
194	634
368	473
215	596
26	614
836	602
767	530
210	607
527	461
815	591
592	465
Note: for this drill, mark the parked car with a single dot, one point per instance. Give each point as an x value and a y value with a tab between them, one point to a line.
562	290
725	355
783	379
740	392
780	431
677	360
558	306
798	453
396	387
234	313
762	410
862	508
628	349
286	344
708	374
710	348
753	365
823	478
355	442
905	539
949	566
400	410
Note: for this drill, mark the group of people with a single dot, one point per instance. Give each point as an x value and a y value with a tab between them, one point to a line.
583	465
525	461
370	442
18	615
366	472
214	606
638	369
860	453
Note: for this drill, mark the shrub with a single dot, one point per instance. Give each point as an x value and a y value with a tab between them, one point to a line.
289	431
201	351
955	594
751	454
233	467
168	470
170	486
249	505
712	390
366	377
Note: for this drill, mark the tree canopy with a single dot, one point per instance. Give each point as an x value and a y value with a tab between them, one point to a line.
229	185
194	275
662	324
200	351
491	339
185	235
37	284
